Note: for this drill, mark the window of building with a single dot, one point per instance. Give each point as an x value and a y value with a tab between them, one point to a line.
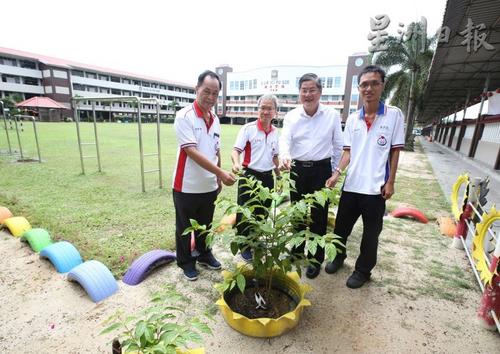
116	92
246	84
171	88
91	75
146	84
77	73
337	81
329	82
138	83
104	77
104	90
11	79
115	79
163	87
30	81
92	89
7	61
27	64
354	81
242	85
231	85
78	87
323	82
254	83
126	81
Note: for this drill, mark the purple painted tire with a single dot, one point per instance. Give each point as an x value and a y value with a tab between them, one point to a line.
143	265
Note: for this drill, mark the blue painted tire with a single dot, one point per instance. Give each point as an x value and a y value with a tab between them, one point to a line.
95	278
145	264
63	255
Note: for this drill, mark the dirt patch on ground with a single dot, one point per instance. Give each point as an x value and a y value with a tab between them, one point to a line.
422	298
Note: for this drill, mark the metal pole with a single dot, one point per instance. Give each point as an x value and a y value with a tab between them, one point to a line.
141	151
36	139
158	141
6	128
18	138
96	140
77	121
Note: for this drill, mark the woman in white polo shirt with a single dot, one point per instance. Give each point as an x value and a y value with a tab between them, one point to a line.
258	141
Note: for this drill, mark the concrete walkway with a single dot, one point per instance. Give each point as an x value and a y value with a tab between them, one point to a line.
449	164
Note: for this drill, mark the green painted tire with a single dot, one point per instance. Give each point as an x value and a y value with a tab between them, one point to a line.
38	239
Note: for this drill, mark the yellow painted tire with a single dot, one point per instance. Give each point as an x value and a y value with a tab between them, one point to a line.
17	225
456	209
478	252
268	327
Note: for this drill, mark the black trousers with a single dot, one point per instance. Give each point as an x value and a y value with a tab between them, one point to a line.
310	177
243	197
372	209
197	206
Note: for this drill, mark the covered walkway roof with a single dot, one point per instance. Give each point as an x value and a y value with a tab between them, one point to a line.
456	73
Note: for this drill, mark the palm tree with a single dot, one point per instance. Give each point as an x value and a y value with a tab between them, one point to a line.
173	105
412	60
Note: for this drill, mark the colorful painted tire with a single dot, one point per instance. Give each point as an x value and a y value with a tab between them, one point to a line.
63	255
478	252
268	327
38	239
4	214
411	212
95	278
17	225
456	204
146	263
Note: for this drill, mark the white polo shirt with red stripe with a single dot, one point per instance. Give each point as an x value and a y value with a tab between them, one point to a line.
258	147
191	130
370	148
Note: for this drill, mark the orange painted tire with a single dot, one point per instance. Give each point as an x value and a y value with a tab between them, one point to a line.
4	214
411	212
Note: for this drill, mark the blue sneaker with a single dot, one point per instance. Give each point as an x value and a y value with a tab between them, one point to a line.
247	255
208	260
191	274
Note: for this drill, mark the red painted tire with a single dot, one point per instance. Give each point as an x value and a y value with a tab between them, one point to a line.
411	212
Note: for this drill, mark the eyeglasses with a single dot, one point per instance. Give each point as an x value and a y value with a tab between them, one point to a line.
373	84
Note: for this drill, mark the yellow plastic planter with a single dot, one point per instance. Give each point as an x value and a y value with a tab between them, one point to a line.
17	225
268	327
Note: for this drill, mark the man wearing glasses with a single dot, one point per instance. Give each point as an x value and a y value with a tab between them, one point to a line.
258	141
373	137
310	146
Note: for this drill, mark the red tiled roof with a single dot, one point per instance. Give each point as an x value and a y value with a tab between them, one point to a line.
68	64
40	102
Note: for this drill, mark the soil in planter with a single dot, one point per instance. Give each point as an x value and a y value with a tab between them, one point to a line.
277	305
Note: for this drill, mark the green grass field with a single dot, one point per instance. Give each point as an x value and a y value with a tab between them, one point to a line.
105	215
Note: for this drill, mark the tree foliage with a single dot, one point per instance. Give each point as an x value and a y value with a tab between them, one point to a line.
410	61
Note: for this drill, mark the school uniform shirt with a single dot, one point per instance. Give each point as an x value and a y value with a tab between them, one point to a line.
313	138
257	146
191	130
370	148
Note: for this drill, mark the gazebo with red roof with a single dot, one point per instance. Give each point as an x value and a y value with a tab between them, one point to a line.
44	107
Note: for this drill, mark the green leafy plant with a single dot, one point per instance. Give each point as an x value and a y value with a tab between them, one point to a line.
272	238
163	327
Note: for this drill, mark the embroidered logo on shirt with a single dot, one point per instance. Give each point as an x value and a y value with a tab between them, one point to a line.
382	141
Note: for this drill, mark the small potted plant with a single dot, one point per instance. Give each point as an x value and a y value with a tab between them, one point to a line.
264	298
159	328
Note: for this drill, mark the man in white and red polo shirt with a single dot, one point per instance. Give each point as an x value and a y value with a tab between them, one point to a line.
258	141
197	174
373	137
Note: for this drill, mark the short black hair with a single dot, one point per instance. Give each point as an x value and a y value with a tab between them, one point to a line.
206	73
311	77
372	69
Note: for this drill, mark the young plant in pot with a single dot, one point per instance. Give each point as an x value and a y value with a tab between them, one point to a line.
163	327
264	298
